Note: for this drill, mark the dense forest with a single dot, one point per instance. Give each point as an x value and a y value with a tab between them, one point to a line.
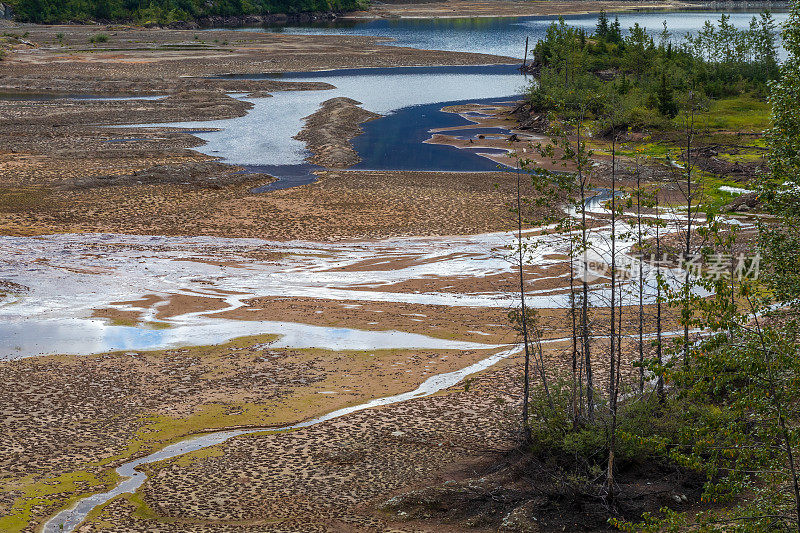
164	11
644	79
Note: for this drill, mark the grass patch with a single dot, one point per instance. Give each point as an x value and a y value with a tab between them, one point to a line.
743	113
188	458
711	184
158	325
98	38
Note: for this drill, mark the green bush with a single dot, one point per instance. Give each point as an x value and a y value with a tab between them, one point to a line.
643	427
98	38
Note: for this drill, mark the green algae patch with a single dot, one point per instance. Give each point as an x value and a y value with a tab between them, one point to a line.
21	200
158	325
205	350
53	493
161	430
127	322
140	510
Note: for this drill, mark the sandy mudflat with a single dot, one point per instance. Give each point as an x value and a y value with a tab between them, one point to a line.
67	420
71	418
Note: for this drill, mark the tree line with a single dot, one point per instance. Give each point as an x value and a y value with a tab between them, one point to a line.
164	11
645	76
684	349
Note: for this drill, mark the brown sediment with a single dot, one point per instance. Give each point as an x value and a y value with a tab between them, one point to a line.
119	316
327	477
389	262
538	278
65	414
138	61
180	304
328	131
474	324
340	475
340	205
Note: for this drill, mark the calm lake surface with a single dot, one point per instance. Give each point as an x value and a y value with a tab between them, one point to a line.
505	36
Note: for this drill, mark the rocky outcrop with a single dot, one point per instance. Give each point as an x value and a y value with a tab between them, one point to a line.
530	121
744	203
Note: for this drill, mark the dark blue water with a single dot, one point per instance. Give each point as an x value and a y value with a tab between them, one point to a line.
483	70
395	142
287	176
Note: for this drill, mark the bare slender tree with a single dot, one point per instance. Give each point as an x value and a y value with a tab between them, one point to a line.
526	428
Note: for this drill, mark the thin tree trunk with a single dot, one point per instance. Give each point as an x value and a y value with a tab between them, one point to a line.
585	286
688	249
574	317
613	264
660	381
614	403
612	378
526	429
641	275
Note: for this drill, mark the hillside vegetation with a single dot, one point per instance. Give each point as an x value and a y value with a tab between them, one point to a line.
164	11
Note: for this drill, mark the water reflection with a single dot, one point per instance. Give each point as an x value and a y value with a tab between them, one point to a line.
505	36
26	338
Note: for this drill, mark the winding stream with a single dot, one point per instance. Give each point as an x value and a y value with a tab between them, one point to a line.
69	519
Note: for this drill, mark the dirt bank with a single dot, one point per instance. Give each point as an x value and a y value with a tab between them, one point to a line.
327	132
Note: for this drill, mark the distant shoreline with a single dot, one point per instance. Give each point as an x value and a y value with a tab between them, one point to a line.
442	9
